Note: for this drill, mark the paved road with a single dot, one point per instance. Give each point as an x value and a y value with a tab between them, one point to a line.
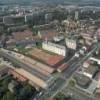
61	79
76	94
74	65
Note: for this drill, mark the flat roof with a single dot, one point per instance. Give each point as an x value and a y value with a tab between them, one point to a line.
45	57
31	77
25	35
50	33
91	69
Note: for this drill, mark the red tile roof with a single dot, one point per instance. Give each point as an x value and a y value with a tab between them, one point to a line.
25	35
46	57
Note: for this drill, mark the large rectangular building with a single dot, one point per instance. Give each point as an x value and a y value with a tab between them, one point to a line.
55	48
25	35
47	58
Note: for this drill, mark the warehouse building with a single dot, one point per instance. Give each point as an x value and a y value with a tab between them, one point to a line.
45	57
23	75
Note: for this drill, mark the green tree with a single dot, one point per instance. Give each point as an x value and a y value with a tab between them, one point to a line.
10	96
63	97
35	31
4	97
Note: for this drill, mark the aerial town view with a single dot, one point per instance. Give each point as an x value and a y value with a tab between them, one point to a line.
49	49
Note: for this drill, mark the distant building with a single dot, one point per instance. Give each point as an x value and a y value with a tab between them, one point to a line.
87	36
83	50
70	43
86	64
95	60
90	71
48	17
48	33
58	38
17	28
28	17
21	38
55	48
76	15
13	20
25	35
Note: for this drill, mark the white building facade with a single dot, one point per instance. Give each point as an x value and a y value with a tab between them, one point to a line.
72	44
55	48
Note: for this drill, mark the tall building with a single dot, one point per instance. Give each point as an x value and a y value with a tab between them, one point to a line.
76	15
48	17
70	43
